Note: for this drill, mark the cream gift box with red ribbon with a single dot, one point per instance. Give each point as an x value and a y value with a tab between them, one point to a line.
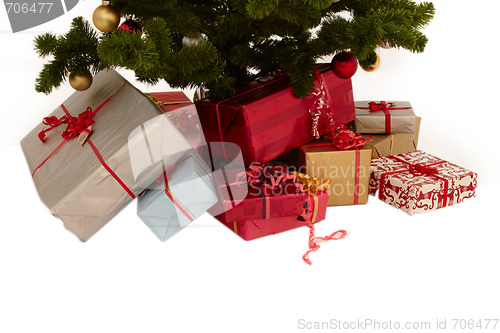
417	182
384	117
87	185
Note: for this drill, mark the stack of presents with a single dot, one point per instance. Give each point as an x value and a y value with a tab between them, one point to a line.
261	162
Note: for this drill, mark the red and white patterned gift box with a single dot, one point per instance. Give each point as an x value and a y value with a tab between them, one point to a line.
417	182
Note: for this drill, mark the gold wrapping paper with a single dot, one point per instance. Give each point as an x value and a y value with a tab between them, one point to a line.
390	144
73	183
329	162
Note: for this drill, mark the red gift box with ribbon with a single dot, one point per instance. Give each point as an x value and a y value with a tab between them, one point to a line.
276	201
265	119
417	182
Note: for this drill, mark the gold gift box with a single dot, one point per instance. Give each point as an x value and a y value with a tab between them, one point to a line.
391	144
329	162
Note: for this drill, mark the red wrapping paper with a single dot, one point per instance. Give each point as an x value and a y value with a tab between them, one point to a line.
177	97
280	202
447	184
249	229
271	121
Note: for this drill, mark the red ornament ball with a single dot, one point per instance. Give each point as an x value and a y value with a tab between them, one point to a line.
131	25
344	65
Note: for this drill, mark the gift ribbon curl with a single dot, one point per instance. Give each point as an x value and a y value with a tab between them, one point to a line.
75	125
344	138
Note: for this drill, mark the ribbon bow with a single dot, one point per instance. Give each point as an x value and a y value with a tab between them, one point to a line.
382	106
344	138
419	169
75	125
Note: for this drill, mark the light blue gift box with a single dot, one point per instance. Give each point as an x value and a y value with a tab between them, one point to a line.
189	193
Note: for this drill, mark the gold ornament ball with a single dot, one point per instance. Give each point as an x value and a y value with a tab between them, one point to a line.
106	18
80	80
372	67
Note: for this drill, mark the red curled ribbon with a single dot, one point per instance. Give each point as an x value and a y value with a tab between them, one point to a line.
76	126
322	101
344	138
384	107
313	241
417	170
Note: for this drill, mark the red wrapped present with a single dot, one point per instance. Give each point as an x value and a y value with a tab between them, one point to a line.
265	119
255	228
276	201
182	113
417	182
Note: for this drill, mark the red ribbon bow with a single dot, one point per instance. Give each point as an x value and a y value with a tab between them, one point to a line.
382	106
75	125
419	169
343	138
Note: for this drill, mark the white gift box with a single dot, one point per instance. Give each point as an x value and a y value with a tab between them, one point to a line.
183	193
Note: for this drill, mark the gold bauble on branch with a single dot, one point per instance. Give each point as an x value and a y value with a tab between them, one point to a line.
106	17
80	80
373	67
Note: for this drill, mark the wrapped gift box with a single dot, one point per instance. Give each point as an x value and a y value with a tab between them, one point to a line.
385	117
269	209
249	229
182	195
348	170
417	182
87	185
182	113
266	119
391	144
260	203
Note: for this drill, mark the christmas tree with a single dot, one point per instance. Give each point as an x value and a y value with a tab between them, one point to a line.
222	43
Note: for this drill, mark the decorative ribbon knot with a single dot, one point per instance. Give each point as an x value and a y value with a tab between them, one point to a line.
419	169
382	106
75	125
344	138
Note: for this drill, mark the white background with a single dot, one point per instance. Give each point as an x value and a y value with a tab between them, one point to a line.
439	265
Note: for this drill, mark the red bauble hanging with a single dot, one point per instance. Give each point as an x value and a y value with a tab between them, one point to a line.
344	65
130	25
